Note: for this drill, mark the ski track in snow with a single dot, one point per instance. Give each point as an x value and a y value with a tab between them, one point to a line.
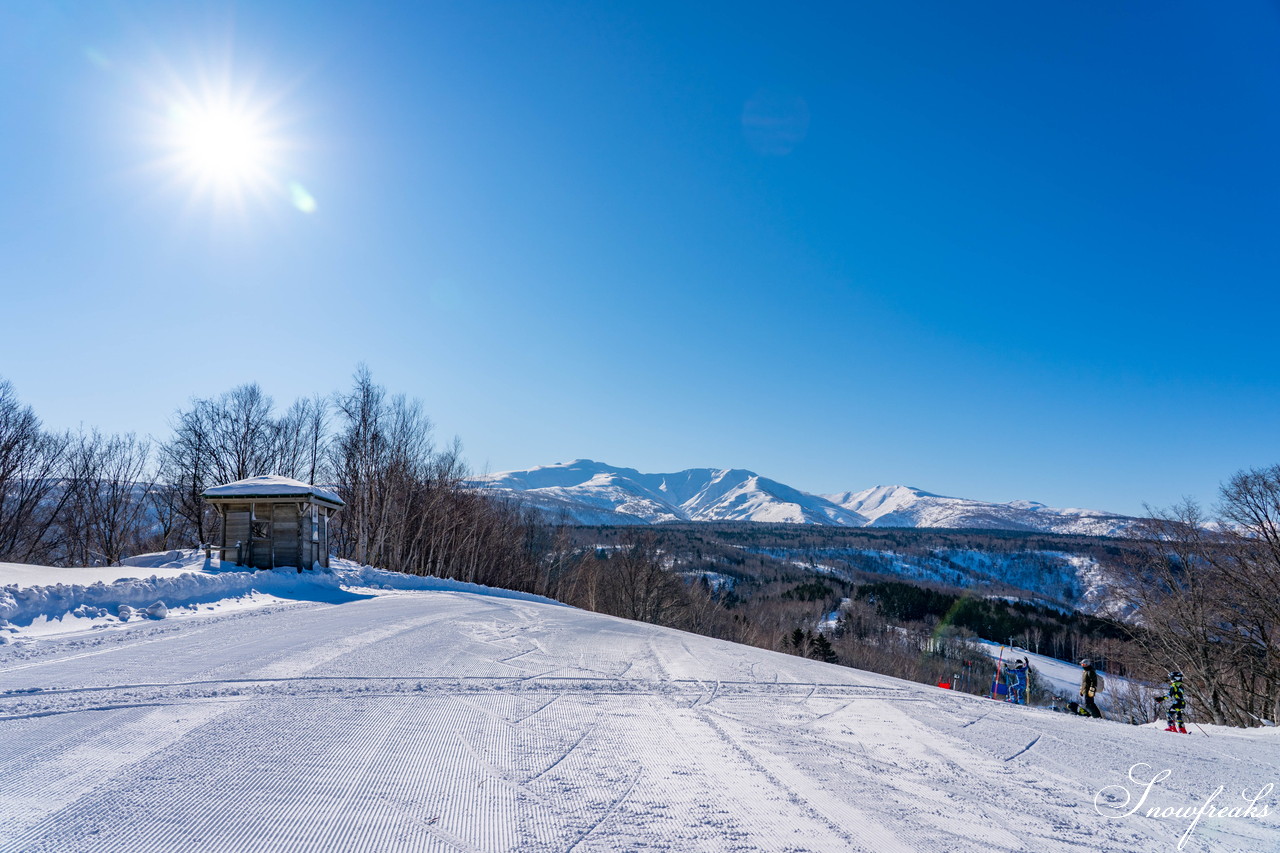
445	721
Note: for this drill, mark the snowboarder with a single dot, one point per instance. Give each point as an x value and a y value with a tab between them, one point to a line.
1090	686
1177	704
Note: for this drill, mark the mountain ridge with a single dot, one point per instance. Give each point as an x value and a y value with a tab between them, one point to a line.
585	491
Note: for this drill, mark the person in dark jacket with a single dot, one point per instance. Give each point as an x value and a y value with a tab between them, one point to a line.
1089	688
1177	704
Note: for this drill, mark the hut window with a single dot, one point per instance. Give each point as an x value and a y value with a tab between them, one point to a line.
261	530
315	525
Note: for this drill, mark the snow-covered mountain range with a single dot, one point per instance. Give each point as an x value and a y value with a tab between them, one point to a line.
588	492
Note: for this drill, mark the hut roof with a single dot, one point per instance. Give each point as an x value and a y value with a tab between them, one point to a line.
271	486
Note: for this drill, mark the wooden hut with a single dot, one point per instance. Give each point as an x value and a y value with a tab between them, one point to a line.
270	522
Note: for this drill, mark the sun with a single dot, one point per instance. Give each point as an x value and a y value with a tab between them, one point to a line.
223	138
221	146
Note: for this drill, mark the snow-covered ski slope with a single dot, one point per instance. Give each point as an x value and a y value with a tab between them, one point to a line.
414	720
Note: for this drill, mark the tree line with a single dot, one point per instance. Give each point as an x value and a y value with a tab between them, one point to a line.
69	498
1040	629
87	498
1205	599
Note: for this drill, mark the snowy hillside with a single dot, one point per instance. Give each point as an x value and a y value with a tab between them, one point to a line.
903	506
588	492
339	715
1052	578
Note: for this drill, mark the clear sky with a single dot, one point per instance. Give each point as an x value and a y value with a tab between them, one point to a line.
999	250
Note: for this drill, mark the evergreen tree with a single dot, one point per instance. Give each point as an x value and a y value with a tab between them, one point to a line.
820	649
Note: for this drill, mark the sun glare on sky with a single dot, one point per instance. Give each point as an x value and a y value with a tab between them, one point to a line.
224	141
220	145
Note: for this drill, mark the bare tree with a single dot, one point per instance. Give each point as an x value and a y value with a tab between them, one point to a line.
219	440
244	434
31	468
641	587
186	467
171	527
1250	570
1250	506
105	515
381	457
302	440
1173	595
1205	600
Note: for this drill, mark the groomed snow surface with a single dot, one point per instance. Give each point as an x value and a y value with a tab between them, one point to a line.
335	711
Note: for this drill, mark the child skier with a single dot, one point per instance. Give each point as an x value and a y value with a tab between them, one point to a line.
1177	704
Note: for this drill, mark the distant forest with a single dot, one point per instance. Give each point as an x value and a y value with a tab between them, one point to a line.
1198	593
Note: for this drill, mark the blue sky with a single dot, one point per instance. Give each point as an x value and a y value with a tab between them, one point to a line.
1002	250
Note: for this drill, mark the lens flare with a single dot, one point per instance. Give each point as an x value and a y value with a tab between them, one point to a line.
302	199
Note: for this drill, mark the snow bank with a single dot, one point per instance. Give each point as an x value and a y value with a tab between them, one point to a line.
162	560
23	574
189	580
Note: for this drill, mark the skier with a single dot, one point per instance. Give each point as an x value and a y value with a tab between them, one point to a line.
1090	685
1177	704
1018	677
